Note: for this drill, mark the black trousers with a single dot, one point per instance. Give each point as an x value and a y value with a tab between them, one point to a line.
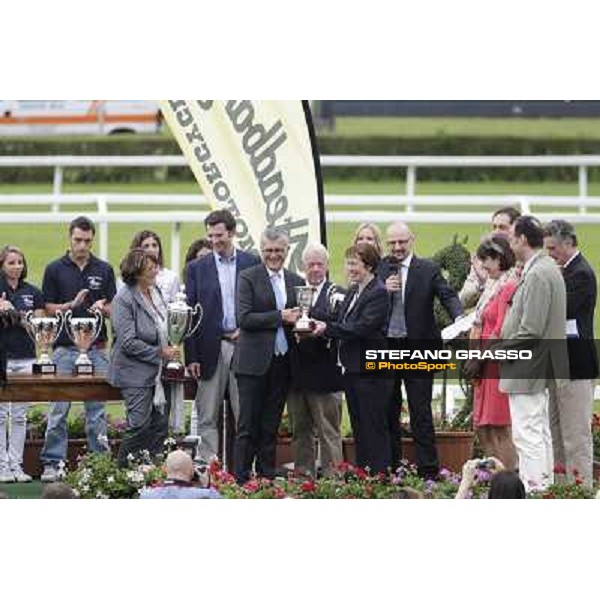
419	391
262	399
368	401
147	428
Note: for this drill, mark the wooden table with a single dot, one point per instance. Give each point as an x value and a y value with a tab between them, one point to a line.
52	388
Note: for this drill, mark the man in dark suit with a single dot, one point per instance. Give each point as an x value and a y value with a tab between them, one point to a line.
212	281
413	283
315	402
267	311
571	401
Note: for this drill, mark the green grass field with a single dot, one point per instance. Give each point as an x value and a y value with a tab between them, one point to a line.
460	127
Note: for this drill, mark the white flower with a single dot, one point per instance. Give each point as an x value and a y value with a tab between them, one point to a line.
103	440
110	479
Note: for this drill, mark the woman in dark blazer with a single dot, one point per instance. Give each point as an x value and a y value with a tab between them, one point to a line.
139	320
363	318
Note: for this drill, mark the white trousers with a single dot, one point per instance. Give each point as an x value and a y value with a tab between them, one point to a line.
13	423
532	439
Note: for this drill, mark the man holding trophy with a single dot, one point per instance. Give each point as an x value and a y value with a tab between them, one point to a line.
315	401
80	286
267	311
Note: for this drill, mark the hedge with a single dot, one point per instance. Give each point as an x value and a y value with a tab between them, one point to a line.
438	145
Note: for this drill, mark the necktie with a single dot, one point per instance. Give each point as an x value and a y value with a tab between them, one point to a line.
281	345
397	323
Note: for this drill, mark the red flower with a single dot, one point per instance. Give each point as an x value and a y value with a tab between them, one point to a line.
344	467
251	486
559	469
309	486
578	480
360	473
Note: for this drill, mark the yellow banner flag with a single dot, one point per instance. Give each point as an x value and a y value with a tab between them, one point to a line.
258	159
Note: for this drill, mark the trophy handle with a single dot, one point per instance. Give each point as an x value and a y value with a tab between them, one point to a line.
61	322
66	320
99	321
197	312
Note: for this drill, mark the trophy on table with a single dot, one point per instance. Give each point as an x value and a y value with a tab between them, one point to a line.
83	332
44	331
305	295
180	325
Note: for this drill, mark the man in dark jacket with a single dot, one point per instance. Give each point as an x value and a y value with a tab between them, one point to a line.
212	282
413	283
267	310
315	402
571	402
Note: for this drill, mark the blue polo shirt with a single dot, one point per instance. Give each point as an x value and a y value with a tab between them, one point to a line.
63	279
26	297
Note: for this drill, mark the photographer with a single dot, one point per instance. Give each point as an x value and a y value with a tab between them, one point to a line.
179	484
504	485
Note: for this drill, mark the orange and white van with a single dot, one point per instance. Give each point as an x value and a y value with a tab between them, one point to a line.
73	117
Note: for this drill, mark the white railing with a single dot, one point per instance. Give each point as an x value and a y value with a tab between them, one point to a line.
410	163
382	208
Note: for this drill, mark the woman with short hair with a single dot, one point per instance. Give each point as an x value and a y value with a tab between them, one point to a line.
140	346
362	319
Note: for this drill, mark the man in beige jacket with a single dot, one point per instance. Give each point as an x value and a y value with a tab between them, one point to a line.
536	321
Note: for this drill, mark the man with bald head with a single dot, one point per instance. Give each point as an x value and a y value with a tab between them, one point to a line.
413	283
178	485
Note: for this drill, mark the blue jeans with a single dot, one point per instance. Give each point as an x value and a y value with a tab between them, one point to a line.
55	444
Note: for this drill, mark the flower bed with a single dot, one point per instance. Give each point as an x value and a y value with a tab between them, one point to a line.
98	476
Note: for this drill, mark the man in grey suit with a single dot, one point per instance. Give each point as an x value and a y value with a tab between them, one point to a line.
535	321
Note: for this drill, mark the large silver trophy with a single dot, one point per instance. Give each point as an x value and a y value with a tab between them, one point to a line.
304	295
83	332
180	325
44	331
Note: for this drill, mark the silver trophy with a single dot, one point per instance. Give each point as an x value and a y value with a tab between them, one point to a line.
180	324
83	332
304	295
335	296
44	331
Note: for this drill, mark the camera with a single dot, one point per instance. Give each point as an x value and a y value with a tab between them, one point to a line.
486	464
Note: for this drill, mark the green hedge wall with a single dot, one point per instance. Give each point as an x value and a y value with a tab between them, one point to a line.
439	145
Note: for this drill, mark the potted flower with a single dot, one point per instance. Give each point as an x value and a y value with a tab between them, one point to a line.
37	422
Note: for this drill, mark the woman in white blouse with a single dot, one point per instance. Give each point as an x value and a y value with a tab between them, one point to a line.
166	280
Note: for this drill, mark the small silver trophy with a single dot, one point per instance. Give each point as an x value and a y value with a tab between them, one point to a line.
44	331
180	324
305	295
335	296
83	332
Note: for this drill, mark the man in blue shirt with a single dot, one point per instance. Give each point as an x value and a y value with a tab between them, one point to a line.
212	281
178	485
82	283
